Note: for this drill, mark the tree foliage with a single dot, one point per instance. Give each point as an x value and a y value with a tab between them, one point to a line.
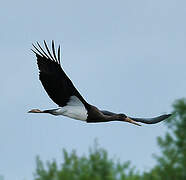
171	164
97	166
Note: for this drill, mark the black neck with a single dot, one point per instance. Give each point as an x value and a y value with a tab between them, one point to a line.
105	118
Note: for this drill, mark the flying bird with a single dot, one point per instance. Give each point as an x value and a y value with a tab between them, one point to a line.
62	91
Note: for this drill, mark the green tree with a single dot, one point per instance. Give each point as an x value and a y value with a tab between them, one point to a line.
171	164
96	166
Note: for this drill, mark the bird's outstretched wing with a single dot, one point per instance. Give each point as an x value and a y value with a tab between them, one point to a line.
143	120
152	120
54	80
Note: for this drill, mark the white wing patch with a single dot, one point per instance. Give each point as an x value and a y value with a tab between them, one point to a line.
74	109
74	101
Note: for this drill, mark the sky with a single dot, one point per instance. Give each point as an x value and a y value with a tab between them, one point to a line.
123	56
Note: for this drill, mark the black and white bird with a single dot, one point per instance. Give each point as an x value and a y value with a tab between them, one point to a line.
62	91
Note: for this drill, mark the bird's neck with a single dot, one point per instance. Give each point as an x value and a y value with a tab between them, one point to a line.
104	118
111	118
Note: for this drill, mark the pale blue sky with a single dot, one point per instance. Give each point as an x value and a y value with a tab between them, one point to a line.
124	56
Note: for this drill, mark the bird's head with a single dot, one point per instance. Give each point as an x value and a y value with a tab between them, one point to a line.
123	117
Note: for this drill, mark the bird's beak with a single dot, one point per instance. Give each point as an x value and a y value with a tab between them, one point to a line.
127	119
35	111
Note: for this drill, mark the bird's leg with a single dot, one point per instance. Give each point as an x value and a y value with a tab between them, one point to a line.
50	111
35	111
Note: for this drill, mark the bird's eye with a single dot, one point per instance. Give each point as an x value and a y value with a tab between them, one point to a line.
123	115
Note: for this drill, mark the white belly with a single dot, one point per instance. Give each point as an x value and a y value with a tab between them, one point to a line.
75	112
74	109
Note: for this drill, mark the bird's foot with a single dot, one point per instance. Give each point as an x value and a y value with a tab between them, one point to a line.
35	111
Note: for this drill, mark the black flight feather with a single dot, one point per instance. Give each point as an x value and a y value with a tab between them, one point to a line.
54	80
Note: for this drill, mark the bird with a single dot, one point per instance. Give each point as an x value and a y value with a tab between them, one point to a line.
63	92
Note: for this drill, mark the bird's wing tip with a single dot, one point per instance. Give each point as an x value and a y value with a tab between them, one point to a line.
167	115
